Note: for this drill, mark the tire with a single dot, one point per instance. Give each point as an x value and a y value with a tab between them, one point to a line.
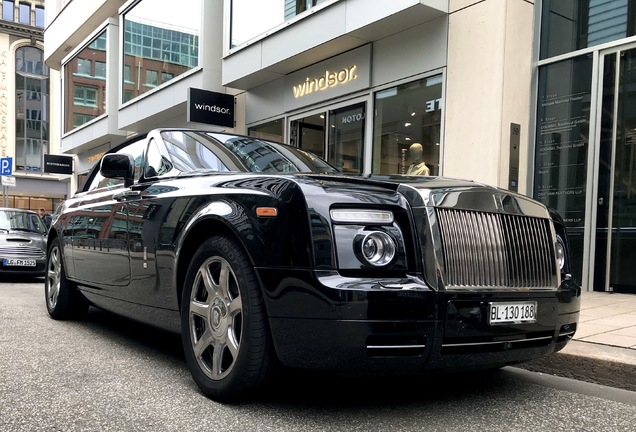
226	339
63	300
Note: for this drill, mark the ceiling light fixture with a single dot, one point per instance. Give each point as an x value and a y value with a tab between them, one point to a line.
322	116
408	139
413	115
407	124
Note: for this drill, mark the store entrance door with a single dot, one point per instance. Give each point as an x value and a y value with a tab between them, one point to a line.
336	135
615	252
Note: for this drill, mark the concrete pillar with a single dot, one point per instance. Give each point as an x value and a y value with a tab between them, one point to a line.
488	87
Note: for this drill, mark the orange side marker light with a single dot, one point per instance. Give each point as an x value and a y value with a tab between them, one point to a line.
266	211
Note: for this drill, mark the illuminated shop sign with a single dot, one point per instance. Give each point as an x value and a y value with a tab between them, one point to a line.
337	76
330	79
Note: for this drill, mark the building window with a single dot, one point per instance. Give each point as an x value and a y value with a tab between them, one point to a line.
100	69
25	13
8	11
39	16
85	87
165	77
127	75
80	119
83	67
85	96
99	43
127	95
32	108
151	78
576	24
152	45
270	13
407	128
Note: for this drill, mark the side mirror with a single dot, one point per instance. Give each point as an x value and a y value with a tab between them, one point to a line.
118	166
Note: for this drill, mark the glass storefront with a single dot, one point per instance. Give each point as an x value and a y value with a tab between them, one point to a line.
585	135
85	84
405	116
563	125
335	135
272	131
253	18
156	51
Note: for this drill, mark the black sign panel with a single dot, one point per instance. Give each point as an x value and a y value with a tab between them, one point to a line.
210	107
57	164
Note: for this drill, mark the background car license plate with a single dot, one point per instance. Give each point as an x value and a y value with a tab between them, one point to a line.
506	313
19	262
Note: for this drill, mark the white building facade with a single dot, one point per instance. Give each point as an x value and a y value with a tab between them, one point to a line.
359	82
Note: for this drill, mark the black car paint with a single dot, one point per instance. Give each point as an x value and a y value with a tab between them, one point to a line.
320	316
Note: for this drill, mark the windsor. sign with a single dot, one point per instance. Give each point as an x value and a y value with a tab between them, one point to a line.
340	75
330	79
210	107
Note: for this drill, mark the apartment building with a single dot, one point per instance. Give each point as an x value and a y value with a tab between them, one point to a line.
27	130
532	96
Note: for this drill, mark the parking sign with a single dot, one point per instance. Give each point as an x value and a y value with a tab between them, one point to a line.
6	166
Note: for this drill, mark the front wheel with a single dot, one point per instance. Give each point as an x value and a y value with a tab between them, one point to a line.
63	300
226	338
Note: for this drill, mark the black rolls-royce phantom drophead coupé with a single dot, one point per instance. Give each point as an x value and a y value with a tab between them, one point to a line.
262	254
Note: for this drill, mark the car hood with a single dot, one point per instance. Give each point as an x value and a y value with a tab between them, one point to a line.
434	192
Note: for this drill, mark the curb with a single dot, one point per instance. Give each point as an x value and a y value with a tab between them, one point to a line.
600	364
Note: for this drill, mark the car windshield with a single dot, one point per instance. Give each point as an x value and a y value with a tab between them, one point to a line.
17	220
193	151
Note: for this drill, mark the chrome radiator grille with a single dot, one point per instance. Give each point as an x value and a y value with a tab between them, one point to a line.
496	250
23	251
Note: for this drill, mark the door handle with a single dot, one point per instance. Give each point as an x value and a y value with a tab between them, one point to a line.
127	195
600	201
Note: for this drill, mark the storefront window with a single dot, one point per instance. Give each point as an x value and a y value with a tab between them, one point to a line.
272	131
570	25
85	84
405	116
563	125
252	18
32	109
156	44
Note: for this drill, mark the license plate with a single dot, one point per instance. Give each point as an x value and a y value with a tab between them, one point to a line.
512	313
18	262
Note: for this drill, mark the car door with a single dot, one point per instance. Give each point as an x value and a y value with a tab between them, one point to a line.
101	246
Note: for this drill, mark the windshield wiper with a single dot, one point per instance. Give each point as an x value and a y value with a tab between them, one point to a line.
5	230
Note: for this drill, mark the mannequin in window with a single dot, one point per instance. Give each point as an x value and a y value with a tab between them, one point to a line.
418	167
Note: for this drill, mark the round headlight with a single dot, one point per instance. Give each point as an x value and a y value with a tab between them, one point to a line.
378	248
560	252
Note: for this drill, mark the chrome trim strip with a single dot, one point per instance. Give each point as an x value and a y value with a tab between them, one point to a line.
494	343
394	346
566	334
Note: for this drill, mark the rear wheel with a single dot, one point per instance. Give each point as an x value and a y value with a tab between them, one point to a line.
63	300
224	327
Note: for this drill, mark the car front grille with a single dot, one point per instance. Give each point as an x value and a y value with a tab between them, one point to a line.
22	251
494	250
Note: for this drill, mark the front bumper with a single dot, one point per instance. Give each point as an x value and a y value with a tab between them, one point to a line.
38	270
353	325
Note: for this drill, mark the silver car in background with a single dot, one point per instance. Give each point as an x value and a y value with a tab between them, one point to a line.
22	243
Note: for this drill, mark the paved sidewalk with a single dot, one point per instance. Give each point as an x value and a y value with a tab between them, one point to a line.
604	347
608	319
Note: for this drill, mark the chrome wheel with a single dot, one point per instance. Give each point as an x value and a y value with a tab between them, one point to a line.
216	318
53	277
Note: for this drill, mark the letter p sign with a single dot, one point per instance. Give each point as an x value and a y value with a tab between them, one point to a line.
6	166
